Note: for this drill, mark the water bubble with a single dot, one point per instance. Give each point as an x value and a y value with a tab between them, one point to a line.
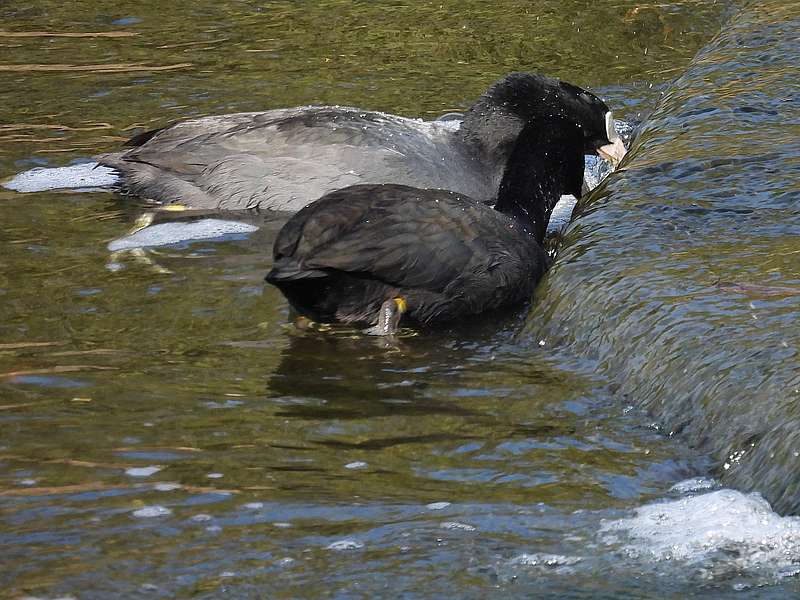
695	484
545	560
740	587
356	465
151	511
437	505
345	545
457	525
201	518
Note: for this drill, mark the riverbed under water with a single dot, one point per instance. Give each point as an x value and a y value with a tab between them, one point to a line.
164	431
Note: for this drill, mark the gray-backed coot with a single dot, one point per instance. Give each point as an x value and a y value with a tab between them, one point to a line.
285	158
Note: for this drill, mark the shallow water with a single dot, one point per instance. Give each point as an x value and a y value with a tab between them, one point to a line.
165	433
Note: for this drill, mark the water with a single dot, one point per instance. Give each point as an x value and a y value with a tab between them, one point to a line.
165	433
695	317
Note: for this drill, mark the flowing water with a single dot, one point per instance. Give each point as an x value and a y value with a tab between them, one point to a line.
165	433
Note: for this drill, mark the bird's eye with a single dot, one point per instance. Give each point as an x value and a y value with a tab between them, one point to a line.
611	131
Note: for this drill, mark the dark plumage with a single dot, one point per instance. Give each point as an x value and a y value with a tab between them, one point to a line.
348	256
283	159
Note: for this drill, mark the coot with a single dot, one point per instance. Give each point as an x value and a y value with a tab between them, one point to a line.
369	254
283	159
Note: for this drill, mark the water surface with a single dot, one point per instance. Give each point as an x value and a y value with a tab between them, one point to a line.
166	433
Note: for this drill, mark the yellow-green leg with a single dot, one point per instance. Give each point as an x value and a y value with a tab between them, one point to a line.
389	316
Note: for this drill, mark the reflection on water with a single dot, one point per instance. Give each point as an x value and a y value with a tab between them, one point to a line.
166	432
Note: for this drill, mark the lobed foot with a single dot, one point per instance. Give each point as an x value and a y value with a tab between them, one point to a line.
389	316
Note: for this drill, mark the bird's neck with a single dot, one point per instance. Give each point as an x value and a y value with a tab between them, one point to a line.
529	200
543	165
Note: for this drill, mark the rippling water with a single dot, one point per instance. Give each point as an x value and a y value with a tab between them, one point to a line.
165	433
695	316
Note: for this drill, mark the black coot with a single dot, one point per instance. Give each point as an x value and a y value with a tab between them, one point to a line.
368	254
283	159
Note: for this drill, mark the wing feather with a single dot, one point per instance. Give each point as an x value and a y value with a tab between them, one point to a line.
404	238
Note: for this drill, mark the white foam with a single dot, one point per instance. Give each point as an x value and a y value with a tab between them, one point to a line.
538	565
544	560
696	484
722	532
177	232
456	525
85	176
